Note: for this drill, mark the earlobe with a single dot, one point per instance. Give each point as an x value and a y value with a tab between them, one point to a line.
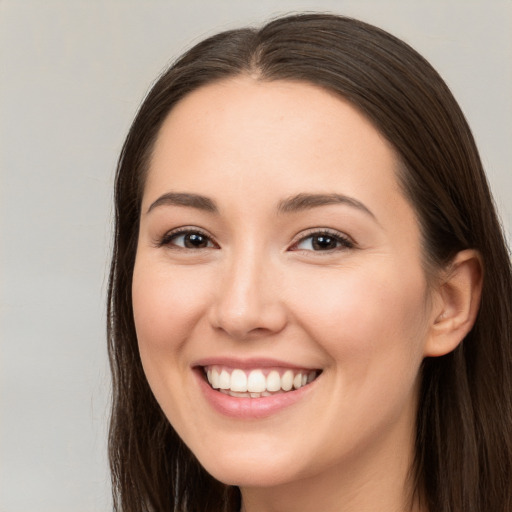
456	305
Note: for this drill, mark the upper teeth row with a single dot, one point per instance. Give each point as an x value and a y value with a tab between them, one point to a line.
255	381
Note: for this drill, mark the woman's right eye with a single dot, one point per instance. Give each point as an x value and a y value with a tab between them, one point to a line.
189	239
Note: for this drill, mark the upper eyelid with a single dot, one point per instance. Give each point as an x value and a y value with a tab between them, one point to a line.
322	231
187	229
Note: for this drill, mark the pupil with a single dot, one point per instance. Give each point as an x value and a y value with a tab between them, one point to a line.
195	241
323	242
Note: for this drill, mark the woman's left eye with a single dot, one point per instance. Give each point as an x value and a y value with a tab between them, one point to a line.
323	242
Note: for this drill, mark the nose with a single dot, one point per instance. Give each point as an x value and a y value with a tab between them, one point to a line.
248	303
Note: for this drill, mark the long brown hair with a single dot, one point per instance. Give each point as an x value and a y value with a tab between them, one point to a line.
464	425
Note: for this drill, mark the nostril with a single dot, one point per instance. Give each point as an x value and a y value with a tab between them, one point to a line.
245	307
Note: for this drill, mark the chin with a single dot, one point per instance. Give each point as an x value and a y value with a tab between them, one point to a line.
262	477
247	472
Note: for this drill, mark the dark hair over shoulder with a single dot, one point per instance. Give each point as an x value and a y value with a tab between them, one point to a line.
463	459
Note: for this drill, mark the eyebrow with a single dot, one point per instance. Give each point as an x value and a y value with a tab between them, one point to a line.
307	201
292	204
185	199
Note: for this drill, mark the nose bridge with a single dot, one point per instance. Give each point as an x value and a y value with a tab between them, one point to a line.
248	302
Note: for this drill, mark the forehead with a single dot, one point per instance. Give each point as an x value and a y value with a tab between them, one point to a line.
261	107
260	127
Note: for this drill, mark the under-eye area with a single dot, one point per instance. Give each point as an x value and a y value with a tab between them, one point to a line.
258	382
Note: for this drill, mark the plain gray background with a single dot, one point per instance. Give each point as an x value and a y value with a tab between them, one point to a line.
72	76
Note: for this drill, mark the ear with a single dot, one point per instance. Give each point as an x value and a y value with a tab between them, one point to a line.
456	303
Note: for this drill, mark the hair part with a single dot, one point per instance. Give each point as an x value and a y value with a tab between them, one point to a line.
464	424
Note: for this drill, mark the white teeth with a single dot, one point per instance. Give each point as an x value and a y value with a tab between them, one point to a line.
238	394
238	381
287	380
254	384
224	380
273	381
214	379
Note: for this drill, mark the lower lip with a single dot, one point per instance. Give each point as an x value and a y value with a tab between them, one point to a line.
250	408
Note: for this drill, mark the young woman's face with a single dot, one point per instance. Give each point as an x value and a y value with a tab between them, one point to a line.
279	260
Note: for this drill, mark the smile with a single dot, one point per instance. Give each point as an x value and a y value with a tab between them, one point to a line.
258	382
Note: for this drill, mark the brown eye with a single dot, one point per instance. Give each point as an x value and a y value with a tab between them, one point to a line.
188	240
195	241
323	242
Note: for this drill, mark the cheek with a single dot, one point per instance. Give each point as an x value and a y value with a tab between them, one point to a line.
372	329
167	308
374	319
165	303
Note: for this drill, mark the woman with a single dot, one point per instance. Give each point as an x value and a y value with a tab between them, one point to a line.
310	294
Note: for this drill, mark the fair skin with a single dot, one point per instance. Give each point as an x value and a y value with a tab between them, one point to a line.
237	271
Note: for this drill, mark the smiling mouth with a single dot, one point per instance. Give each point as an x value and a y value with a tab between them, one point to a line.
256	383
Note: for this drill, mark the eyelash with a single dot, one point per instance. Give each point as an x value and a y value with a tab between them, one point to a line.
342	242
168	238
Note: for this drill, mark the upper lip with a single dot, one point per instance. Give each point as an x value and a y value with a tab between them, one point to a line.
251	363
